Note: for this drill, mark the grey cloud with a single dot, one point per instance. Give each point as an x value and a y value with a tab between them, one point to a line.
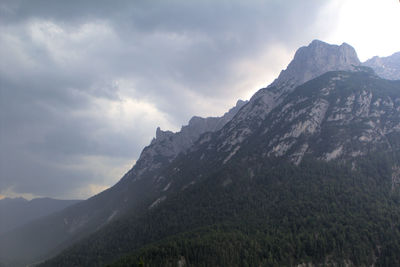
192	43
172	53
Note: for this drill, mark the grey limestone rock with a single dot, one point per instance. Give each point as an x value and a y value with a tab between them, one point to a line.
315	59
308	63
167	145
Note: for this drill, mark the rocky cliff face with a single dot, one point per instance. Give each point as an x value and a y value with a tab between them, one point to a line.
309	62
337	116
315	59
386	67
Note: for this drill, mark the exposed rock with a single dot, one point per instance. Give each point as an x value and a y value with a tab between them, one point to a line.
345	122
167	145
309	62
157	201
315	59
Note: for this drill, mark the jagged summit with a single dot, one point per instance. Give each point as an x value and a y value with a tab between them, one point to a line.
315	59
168	145
196	126
308	63
162	135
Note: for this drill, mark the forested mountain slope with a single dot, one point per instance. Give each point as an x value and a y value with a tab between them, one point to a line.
316	180
47	236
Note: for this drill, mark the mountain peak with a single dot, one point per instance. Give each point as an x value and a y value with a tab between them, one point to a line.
317	42
315	59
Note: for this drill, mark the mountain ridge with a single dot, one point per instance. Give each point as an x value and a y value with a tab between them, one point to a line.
386	67
218	140
264	100
215	190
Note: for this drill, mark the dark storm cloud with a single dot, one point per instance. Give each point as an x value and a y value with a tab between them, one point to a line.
69	68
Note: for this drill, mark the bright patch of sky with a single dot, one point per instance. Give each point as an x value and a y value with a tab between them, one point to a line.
370	26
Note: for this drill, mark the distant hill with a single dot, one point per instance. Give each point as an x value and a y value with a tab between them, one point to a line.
386	67
15	212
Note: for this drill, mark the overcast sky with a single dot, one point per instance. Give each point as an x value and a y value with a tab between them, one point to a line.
84	84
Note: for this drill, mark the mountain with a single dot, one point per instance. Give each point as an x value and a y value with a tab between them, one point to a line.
15	212
315	59
304	172
49	235
315	180
386	67
309	62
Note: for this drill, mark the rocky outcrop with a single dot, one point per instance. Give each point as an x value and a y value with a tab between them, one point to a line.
309	62
315	59
339	115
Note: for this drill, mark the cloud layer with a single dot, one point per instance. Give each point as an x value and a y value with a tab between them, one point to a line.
84	84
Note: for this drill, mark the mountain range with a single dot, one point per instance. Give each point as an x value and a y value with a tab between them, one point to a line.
386	67
305	172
